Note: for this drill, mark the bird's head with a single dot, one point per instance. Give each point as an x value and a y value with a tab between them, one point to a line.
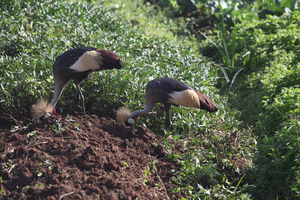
49	114
42	109
130	121
124	115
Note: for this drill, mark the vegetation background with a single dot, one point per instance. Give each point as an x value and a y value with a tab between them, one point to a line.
242	54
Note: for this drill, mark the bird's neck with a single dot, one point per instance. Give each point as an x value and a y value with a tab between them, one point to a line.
58	88
148	108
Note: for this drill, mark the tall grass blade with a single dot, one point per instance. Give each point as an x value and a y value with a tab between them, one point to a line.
233	44
226	58
234	191
234	77
222	68
225	74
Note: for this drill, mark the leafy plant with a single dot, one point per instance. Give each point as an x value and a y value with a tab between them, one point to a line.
277	165
270	102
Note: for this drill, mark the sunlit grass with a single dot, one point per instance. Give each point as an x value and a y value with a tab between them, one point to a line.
149	19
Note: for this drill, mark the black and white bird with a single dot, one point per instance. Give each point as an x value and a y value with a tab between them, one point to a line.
167	91
75	64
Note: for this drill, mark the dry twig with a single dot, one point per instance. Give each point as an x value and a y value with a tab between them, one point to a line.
62	196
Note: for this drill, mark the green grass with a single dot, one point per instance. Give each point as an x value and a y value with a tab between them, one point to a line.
151	20
267	95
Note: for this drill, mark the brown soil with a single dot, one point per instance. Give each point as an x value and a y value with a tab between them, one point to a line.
70	158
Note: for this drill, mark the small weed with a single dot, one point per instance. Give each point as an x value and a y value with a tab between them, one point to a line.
84	134
69	119
32	133
147	172
126	164
39	173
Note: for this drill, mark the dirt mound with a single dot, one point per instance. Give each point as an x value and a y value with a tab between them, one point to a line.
70	158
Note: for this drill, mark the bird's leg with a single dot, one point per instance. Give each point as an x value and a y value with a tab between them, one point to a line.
168	119
80	96
82	100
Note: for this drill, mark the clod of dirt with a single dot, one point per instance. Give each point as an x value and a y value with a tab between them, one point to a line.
161	152
25	177
145	134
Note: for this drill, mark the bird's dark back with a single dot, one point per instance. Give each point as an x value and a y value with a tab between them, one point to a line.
68	58
61	67
169	85
159	90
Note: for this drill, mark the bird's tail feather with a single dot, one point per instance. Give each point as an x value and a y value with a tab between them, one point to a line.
41	108
110	60
206	103
123	114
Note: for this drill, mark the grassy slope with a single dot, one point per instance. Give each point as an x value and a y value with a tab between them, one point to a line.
272	103
267	94
212	149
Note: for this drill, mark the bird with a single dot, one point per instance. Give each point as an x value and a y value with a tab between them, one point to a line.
167	91
75	64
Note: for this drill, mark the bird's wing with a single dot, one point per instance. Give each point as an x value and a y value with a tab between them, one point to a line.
156	95
161	89
168	90
169	85
68	58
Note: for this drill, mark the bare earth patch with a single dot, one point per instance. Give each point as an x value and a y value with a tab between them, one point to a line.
70	158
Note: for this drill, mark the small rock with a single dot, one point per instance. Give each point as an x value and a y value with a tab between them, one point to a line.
114	148
89	150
